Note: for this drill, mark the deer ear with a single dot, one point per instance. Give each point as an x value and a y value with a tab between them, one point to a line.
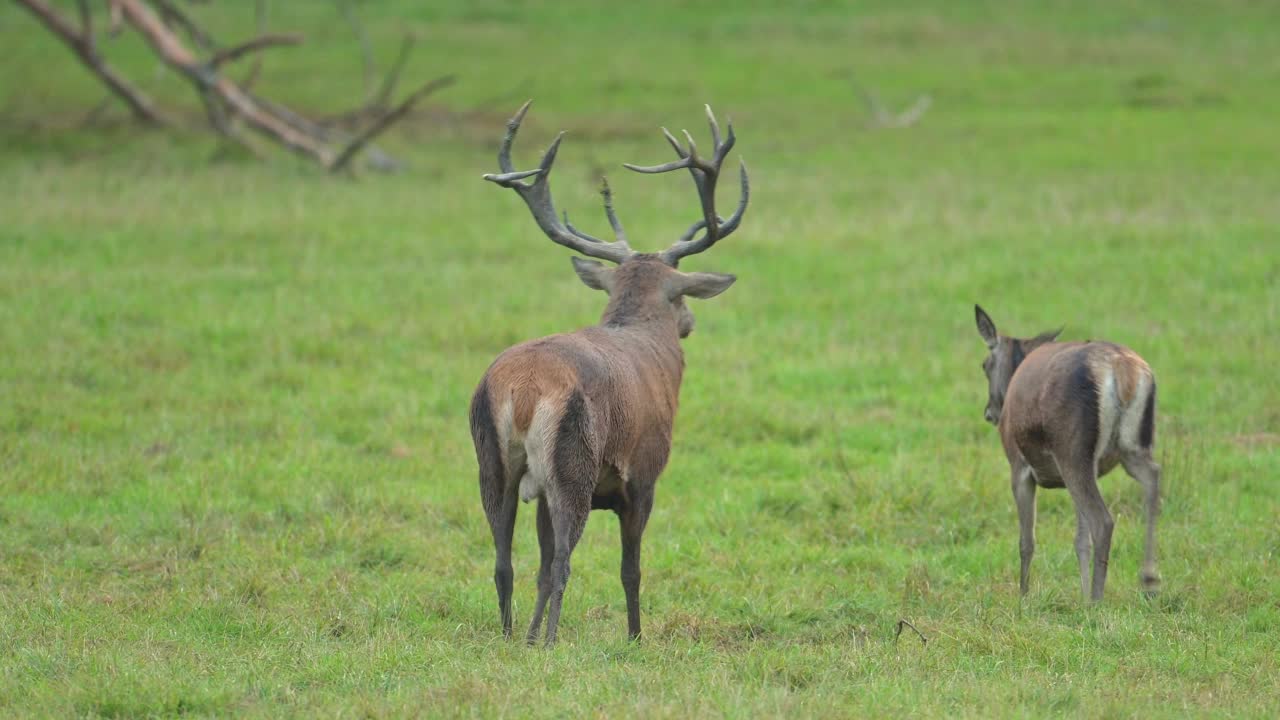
593	274
704	285
1044	337
986	327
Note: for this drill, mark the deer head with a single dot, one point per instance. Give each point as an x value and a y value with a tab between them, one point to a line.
643	287
1006	353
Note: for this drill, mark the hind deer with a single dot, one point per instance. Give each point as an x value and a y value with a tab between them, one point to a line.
582	421
1068	413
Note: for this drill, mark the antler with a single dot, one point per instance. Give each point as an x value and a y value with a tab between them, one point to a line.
705	173
537	195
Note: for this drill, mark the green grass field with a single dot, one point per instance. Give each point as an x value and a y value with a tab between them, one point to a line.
236	476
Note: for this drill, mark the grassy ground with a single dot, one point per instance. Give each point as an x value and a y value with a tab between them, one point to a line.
236	472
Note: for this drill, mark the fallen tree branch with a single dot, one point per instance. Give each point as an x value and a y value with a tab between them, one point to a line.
366	48
84	45
393	75
262	42
207	80
376	103
381	124
255	70
231	107
174	17
883	117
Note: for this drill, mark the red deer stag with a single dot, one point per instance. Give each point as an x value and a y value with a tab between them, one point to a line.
1068	413
582	421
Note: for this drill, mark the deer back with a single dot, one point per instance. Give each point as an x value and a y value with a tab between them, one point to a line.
1078	401
620	386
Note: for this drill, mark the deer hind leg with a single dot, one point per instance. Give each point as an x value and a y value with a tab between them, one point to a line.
498	496
1137	438
1024	495
1145	470
1093	526
568	519
500	509
575	468
547	545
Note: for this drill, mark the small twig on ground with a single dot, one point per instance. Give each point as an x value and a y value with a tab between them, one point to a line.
907	623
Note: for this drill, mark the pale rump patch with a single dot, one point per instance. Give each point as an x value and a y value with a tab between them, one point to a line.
1131	418
1123	380
1105	378
1125	365
539	443
504	428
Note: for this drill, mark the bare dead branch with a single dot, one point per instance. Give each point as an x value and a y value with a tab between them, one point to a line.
206	79
183	46
255	70
366	48
907	623
82	43
377	103
173	16
390	118
393	75
262	42
883	117
86	21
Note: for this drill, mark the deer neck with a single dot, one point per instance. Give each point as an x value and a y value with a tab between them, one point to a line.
629	310
652	331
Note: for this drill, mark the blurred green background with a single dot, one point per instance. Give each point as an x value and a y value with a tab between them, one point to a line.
235	471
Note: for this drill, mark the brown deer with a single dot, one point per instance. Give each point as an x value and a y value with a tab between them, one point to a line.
1068	413
583	421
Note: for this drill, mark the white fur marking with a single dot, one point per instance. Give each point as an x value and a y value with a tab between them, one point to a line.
1131	420
538	444
1108	412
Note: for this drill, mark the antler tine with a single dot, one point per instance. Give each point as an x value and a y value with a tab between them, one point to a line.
536	194
705	173
674	143
726	226
607	193
513	126
722	149
569	226
694	160
715	127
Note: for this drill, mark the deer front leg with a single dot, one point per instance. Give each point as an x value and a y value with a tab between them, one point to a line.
632	518
1024	495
